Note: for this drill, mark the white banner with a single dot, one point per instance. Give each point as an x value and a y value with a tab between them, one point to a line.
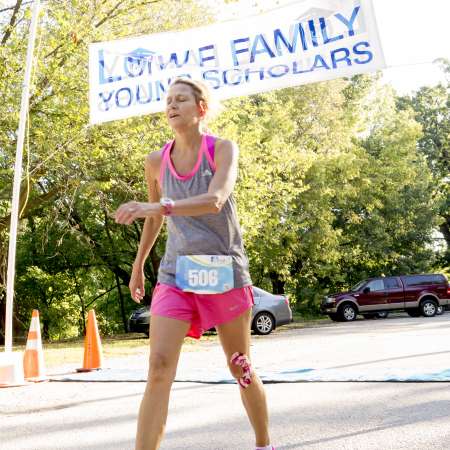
306	42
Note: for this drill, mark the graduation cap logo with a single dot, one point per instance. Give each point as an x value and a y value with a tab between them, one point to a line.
136	61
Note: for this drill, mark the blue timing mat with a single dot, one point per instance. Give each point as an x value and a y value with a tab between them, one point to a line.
290	375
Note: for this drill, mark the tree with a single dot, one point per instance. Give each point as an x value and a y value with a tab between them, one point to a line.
431	106
331	185
328	171
77	175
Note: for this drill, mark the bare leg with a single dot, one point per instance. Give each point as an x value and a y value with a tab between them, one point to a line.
235	337
166	339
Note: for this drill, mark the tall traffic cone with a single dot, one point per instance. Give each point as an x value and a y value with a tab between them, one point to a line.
33	358
93	354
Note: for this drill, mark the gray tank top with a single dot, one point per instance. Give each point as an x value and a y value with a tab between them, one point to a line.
209	234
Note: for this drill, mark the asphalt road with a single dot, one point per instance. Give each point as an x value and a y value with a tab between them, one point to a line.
304	415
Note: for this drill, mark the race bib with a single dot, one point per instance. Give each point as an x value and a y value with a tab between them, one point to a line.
205	274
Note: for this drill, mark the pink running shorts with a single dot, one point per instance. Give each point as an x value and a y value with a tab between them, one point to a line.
203	311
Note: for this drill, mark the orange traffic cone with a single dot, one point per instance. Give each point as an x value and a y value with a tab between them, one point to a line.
93	355
33	358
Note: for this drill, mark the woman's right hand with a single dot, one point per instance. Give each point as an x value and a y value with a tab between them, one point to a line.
136	285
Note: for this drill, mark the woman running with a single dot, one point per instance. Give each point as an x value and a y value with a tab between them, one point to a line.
203	278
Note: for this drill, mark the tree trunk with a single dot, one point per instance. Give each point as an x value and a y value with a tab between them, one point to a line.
18	328
277	283
3	267
445	230
82	318
45	329
12	22
2	318
122	304
155	260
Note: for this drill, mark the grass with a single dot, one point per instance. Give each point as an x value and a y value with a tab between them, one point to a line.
71	351
306	316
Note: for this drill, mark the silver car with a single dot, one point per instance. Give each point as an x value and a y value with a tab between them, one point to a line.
269	312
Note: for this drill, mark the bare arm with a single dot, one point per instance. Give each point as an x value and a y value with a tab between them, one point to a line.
220	188
153	223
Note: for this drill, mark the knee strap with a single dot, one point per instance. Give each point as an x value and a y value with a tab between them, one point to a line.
239	359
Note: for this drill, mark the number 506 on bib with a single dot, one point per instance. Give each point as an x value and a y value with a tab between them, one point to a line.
205	274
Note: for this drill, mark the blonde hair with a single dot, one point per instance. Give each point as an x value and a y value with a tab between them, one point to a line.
202	93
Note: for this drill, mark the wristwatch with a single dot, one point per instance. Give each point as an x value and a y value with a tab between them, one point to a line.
167	204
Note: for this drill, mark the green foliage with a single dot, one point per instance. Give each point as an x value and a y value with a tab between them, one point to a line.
53	295
337	180
332	188
431	108
77	174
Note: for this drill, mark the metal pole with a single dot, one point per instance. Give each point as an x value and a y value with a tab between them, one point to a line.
17	179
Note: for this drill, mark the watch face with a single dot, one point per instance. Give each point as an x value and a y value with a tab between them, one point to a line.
167	204
166	201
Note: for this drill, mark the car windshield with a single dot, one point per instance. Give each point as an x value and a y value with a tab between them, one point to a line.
358	286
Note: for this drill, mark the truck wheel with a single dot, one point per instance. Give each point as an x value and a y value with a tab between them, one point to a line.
347	312
413	312
382	314
440	310
428	307
334	317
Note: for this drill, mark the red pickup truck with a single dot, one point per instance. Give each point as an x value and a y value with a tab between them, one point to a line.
418	295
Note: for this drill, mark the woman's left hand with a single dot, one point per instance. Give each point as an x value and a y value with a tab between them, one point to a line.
129	212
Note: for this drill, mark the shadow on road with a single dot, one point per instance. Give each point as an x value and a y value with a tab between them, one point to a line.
375	361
